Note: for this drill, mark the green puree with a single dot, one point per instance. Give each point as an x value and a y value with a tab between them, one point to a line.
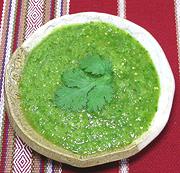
120	122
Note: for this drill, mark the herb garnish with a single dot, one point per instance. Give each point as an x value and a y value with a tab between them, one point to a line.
88	86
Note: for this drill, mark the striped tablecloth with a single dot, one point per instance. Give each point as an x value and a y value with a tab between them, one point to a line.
19	18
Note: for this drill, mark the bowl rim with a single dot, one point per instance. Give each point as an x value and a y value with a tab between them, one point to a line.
43	146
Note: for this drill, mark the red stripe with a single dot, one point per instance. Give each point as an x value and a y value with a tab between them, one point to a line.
42	164
107	168
1	9
17	22
4	144
157	16
104	6
52	9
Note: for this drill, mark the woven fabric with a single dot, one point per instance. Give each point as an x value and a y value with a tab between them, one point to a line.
19	19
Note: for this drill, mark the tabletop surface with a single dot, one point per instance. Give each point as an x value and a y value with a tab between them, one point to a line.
161	18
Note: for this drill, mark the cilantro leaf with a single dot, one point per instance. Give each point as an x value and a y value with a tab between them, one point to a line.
75	78
74	94
71	98
101	94
98	97
96	65
86	91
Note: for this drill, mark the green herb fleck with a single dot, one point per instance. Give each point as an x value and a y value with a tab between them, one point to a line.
87	87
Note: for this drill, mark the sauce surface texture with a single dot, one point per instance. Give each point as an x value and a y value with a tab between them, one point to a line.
123	120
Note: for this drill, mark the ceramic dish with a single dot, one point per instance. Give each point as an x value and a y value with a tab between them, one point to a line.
45	147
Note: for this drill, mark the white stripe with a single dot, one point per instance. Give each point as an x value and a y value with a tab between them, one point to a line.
49	166
67	6
123	166
7	56
177	16
60	168
2	19
58	8
122	8
1	112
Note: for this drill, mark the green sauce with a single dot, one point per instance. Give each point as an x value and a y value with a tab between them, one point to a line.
120	122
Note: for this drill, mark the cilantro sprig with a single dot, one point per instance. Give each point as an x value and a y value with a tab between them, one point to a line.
87	87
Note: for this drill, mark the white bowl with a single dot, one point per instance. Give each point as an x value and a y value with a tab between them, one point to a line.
41	145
